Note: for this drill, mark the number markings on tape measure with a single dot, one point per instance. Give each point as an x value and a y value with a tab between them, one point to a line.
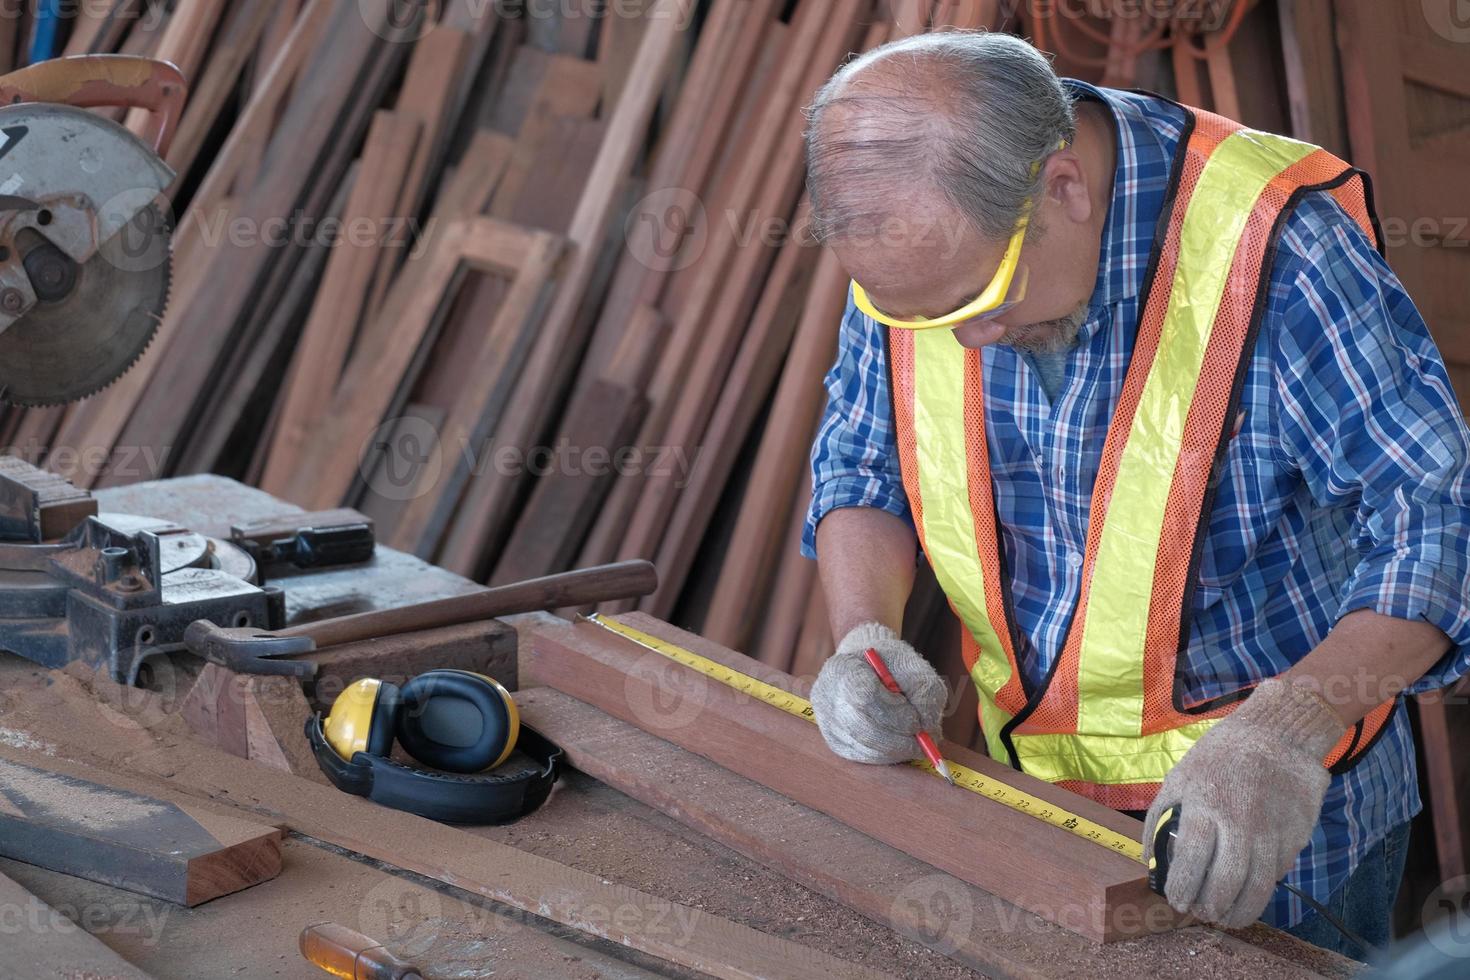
965	777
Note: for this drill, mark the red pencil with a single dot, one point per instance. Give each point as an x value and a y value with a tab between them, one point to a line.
926	741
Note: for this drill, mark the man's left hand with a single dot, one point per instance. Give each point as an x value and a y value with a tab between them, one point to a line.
1250	792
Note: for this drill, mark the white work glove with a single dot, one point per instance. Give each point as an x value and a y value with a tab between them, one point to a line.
1250	792
860	718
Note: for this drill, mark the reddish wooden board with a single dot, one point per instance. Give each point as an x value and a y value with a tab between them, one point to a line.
1067	880
930	907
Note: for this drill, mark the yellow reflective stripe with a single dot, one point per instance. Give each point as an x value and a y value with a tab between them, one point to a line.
1107	759
993	719
1110	684
949	523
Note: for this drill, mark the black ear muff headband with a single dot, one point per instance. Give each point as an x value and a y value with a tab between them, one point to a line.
479	798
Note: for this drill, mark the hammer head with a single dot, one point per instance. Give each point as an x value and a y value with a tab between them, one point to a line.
250	650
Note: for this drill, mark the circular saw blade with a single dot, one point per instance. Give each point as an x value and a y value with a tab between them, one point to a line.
64	351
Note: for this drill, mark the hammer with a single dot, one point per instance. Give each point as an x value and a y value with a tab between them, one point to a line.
256	651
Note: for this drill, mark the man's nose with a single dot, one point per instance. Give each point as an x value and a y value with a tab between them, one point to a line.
979	333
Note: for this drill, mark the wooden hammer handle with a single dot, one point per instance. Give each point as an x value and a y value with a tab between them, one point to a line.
622	580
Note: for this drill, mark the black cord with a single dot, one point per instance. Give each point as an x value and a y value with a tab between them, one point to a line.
1332	920
1163	851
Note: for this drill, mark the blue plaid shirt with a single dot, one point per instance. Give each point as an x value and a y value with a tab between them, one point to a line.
1346	487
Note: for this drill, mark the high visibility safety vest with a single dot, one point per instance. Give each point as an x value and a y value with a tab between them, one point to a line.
1109	723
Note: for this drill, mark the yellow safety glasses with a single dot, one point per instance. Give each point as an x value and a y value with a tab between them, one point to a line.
1006	289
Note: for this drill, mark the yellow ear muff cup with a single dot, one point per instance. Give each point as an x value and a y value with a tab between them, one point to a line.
362	719
458	721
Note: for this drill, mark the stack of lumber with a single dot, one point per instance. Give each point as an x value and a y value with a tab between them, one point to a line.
533	289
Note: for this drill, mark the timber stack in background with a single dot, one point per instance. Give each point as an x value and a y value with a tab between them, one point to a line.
529	283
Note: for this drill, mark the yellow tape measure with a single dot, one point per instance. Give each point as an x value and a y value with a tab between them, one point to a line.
964	776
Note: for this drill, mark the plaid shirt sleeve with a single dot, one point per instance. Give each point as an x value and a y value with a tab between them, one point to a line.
855	456
1367	414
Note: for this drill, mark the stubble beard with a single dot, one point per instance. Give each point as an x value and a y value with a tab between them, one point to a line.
1048	336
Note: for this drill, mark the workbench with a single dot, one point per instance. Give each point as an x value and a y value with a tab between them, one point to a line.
585	824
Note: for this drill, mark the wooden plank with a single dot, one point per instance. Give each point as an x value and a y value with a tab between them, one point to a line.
617	48
567	88
772	635
970	15
128	12
1313	77
1439	66
482	520
380	366
1191	83
706	332
36	429
1444	731
80	827
309	132
1374	94
428	275
779	462
938	910
1079	885
253	717
487	647
434	73
1224	92
238	40
98	423
337	309
185	770
562	165
247	374
603	416
42	944
97	28
467	426
563	504
686	155
742	395
909	17
814	643
259	351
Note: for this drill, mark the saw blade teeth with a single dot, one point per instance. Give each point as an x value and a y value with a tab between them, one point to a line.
152	286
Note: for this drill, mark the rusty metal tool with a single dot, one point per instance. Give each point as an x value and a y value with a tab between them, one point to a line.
260	651
84	243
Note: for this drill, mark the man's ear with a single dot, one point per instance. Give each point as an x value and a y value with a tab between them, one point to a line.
1066	186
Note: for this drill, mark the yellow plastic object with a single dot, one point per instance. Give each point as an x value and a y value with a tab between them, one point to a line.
346	727
1007	287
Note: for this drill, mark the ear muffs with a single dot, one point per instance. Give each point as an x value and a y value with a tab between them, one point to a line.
364	718
457	721
453	720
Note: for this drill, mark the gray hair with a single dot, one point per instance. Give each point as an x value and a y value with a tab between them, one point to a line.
967	113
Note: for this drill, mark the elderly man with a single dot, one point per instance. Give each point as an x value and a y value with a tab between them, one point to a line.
1179	449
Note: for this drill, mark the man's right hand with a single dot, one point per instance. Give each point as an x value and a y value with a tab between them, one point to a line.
861	719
